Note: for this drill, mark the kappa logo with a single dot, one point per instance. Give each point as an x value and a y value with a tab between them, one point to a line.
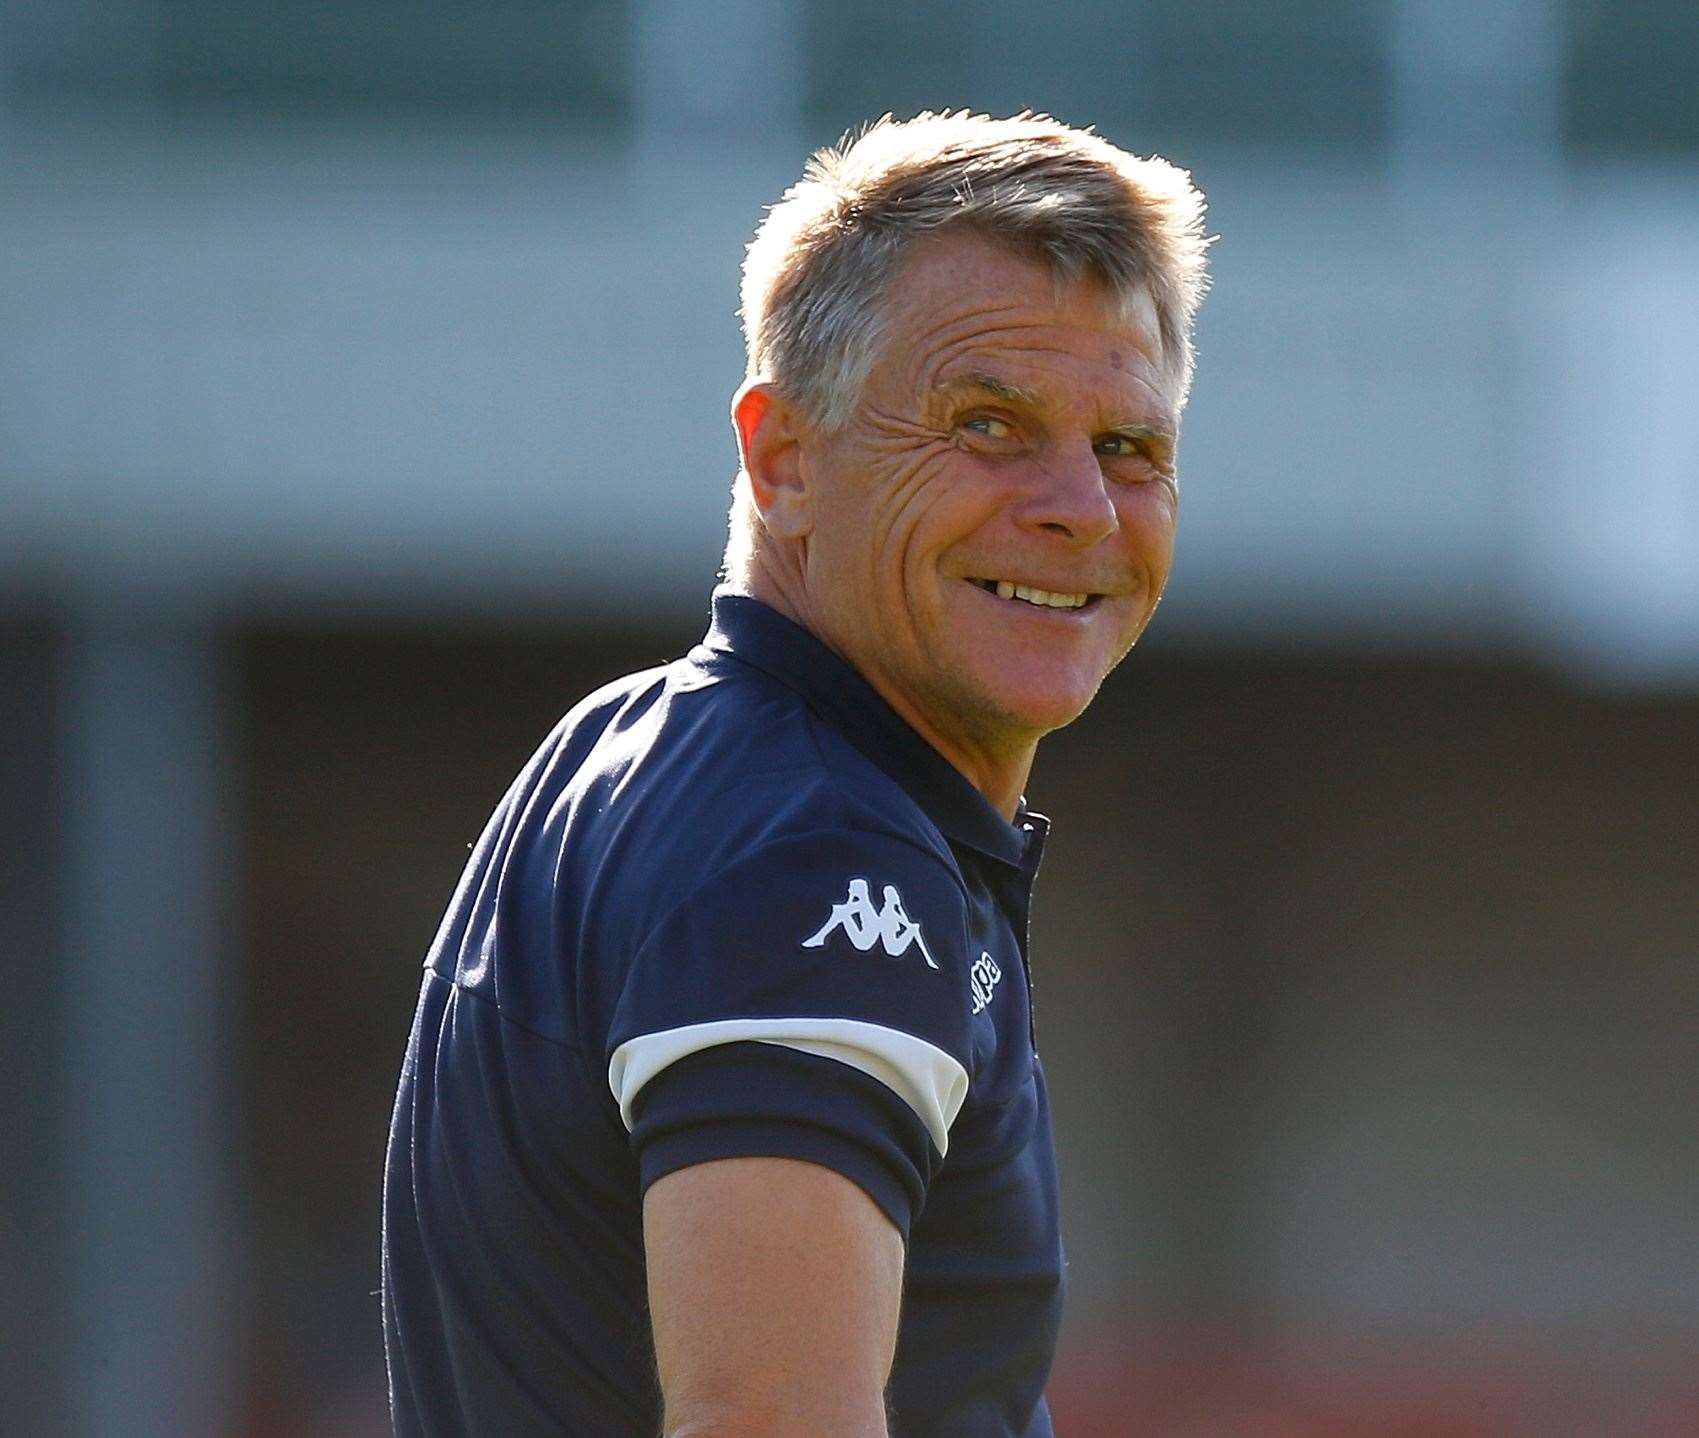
867	926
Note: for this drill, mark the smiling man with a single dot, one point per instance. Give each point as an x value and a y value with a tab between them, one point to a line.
721	1113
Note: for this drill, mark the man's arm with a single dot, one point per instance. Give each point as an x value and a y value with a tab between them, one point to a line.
774	1290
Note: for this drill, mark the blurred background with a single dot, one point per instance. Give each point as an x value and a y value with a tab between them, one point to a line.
363	386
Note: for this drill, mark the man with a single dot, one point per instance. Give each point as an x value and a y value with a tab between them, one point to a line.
721	1113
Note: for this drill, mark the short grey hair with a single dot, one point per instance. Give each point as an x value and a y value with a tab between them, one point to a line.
823	256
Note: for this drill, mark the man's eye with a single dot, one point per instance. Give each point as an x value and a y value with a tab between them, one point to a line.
1118	446
989	426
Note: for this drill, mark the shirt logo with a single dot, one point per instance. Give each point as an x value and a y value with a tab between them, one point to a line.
867	926
982	979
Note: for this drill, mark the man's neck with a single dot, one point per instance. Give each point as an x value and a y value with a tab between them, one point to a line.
1000	777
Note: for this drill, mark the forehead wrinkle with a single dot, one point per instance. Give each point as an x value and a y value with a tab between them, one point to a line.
993	328
978	339
959	327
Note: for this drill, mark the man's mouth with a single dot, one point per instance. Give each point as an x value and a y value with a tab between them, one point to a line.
1030	594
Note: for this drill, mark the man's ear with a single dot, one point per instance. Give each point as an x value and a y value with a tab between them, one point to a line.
770	430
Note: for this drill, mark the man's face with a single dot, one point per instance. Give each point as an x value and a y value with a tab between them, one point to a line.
1004	437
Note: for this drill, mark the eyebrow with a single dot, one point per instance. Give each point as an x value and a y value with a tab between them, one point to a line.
1152	432
978	381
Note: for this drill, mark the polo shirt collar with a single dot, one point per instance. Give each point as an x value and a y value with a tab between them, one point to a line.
757	634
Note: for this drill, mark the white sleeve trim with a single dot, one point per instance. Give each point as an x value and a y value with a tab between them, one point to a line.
926	1078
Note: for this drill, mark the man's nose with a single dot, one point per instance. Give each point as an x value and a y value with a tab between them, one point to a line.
1070	497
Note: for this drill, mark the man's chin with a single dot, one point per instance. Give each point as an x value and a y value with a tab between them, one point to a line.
1055	716
1040	705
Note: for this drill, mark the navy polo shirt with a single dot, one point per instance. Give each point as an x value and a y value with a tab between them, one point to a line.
733	906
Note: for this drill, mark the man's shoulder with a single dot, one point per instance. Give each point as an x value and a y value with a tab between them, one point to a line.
697	792
710	760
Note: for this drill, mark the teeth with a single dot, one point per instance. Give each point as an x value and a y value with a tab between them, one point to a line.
1042	597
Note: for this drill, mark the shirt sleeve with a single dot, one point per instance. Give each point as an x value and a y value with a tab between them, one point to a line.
810	1002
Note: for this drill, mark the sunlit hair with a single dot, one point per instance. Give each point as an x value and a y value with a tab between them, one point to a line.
825	253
